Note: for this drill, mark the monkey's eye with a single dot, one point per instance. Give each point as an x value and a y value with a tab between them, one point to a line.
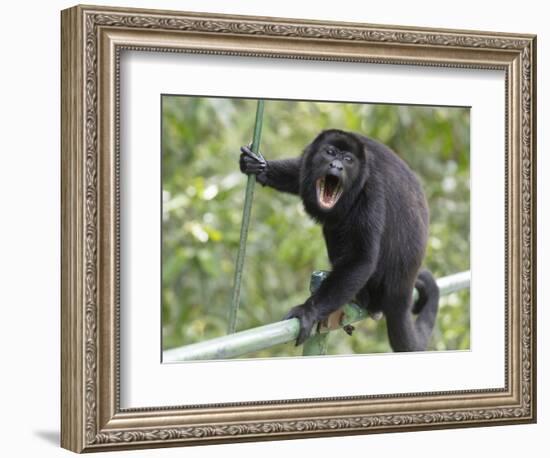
331	152
348	159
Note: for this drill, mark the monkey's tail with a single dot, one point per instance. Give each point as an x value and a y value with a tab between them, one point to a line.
426	305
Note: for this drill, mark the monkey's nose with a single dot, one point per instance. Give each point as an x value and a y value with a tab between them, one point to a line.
336	164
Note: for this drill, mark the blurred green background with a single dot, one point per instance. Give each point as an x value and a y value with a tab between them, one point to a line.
203	195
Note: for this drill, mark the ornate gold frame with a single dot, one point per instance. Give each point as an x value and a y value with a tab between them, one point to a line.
92	39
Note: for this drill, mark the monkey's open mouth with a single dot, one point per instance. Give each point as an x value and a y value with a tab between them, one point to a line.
329	190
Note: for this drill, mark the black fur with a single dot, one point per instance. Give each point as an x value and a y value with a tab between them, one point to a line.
376	232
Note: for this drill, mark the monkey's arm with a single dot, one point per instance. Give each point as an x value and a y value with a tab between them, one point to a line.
282	175
350	273
339	288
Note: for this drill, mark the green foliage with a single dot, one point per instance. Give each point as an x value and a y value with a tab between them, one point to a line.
203	192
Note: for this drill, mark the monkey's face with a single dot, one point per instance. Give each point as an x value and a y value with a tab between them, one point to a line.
336	165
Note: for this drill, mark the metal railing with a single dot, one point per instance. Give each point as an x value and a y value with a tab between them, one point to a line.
262	337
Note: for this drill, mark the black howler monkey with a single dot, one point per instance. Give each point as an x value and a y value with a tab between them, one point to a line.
375	224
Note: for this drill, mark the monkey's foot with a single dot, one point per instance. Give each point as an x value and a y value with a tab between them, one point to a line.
307	317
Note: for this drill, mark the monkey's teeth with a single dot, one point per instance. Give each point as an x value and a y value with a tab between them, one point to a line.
328	201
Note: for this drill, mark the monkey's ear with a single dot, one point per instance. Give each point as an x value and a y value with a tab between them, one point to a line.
367	163
366	152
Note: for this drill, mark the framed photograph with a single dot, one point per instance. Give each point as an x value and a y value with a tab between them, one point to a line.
279	228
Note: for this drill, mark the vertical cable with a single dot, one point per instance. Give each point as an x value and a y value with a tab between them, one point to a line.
232	322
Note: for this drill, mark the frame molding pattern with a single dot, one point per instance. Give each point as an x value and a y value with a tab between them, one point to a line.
91	229
83	401
337	425
334	32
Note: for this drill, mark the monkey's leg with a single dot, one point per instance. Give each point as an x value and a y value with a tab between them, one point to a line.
402	331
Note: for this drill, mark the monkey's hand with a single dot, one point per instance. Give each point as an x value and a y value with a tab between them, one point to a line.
252	164
307	315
